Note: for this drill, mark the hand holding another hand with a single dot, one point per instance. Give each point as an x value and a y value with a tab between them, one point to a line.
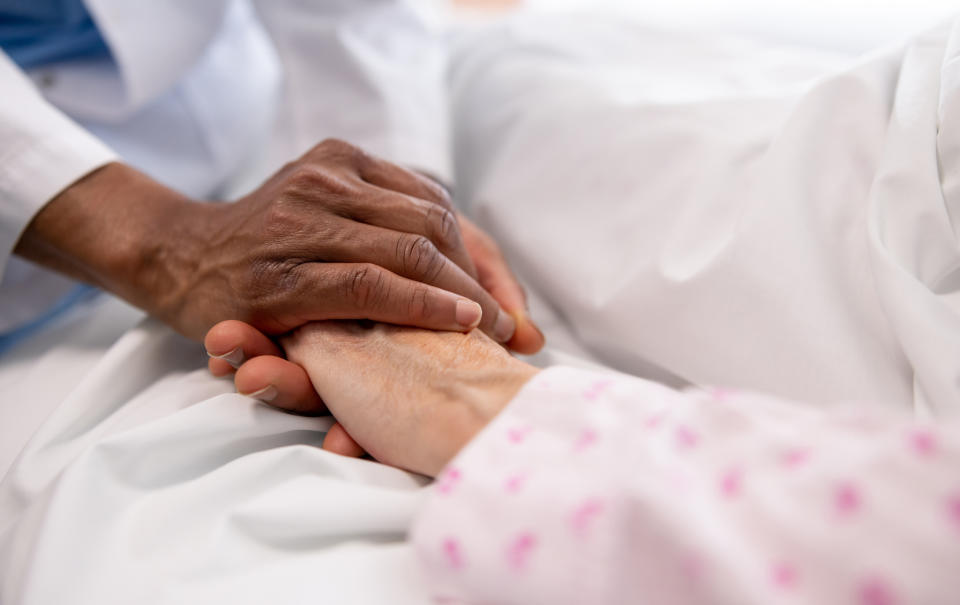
412	398
336	234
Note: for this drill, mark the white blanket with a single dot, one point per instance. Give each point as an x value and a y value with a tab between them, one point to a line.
716	216
691	209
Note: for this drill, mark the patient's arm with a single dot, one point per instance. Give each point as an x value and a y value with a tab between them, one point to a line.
596	488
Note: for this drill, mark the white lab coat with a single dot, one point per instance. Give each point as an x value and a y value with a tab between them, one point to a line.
208	98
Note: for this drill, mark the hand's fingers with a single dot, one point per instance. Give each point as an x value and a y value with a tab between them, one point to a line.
280	383
415	257
219	367
496	277
368	291
231	342
387	175
408	214
340	442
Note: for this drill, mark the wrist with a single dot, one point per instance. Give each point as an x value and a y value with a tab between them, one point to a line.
112	228
476	399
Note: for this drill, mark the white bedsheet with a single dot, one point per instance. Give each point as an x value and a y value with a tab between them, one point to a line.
731	219
741	215
151	482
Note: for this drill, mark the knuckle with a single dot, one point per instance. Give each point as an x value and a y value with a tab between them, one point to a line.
339	149
278	217
265	288
304	176
418	256
443	226
439	192
334	144
365	286
421	303
268	281
309	181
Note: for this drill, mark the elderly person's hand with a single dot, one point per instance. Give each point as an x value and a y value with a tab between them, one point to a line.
412	398
336	234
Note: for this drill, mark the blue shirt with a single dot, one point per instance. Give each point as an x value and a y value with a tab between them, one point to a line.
38	32
34	33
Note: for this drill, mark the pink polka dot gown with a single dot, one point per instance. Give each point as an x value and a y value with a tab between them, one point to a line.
591	488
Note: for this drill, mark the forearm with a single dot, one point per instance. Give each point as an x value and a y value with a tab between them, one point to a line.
632	491
119	230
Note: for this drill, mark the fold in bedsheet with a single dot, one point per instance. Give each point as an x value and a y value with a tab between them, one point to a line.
773	219
699	210
152	482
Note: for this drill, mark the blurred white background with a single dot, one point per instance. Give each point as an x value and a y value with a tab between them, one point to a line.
845	25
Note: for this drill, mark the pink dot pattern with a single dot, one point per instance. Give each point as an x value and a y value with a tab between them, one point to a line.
953	510
448	480
451	550
730	483
585	514
520	549
587	438
784	576
876	591
668	467
924	442
514	483
846	499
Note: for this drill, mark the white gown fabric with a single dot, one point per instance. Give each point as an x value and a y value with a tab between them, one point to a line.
691	209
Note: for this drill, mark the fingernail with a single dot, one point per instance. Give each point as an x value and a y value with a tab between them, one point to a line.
266	394
235	357
505	327
468	313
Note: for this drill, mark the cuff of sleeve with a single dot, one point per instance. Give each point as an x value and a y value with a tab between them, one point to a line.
33	173
538	429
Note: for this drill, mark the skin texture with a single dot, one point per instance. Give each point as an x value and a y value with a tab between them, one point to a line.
336	234
412	398
377	380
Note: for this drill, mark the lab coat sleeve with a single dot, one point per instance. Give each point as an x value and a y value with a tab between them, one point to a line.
42	151
371	73
592	488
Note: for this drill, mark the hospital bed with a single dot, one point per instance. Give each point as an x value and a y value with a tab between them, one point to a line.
650	187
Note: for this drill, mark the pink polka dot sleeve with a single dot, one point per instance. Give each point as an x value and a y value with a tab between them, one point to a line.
596	488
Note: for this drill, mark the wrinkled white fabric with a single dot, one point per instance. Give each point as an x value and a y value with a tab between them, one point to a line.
721	218
695	210
152	482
